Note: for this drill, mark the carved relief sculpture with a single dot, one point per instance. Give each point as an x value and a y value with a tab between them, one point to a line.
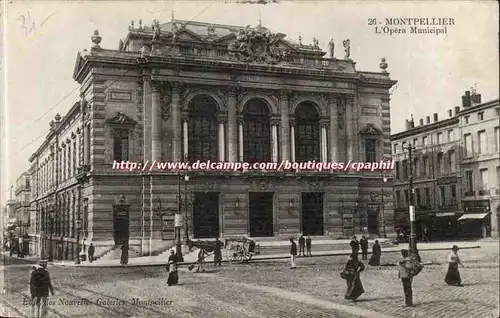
165	106
258	45
341	113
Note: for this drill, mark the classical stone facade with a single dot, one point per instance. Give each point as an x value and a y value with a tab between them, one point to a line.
187	91
455	169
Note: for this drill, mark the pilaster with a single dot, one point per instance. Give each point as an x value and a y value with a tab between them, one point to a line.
157	122
285	126
147	111
232	125
176	122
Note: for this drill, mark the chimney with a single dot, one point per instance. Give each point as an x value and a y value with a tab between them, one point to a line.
476	98
435	117
457	110
450	112
407	125
466	99
421	122
428	119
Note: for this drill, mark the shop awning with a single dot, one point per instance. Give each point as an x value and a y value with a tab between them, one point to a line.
475	216
445	214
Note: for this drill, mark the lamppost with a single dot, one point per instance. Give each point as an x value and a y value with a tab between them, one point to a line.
382	203
178	215
413	236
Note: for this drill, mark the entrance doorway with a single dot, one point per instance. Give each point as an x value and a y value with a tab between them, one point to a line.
261	214
372	222
312	213
206	215
121	230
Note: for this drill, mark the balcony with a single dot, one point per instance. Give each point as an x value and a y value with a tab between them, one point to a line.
469	193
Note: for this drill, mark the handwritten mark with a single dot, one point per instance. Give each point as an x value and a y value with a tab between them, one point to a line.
47	18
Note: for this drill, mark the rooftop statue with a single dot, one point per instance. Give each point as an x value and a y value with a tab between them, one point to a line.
347	49
331	47
258	45
156	31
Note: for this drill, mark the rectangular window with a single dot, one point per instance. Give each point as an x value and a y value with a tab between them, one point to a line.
120	144
482	145
395	148
497	139
466	119
452	161
75	166
468	145
427	196
424	141
398	198
407	197
87	148
405	169
442	196
397	169
497	111
416	170
451	136
453	189
70	160
469	181
417	193
415	142
439	138
370	150
439	163
483	179
480	116
424	165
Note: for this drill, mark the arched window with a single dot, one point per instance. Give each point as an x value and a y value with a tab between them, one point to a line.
307	137
256	132
202	129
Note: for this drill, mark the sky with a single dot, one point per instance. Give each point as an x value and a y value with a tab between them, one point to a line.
41	40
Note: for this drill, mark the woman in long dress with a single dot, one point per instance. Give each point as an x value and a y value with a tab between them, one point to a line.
453	275
124	258
376	252
173	277
353	268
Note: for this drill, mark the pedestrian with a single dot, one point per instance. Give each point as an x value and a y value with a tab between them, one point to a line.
302	245
218	253
173	276
351	273
40	285
376	252
363	243
91	252
354	245
453	275
408	268
308	246
293	253
426	235
201	260
124	258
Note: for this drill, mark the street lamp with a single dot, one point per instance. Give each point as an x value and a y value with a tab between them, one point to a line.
413	236
382	203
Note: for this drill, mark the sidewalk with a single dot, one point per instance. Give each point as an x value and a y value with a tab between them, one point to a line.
150	261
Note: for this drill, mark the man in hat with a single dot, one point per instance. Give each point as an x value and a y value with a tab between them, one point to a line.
40	285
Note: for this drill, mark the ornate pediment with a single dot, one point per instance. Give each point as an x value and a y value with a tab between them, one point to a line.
259	45
370	129
121	119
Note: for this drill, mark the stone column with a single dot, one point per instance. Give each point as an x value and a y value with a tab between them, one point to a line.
324	140
355	125
156	123
185	137
285	126
240	138
222	139
350	132
292	140
334	128
274	139
232	132
176	122
146	101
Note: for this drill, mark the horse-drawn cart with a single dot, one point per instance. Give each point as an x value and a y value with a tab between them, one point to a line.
240	249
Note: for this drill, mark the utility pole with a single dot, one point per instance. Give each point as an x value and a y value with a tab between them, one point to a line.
177	220
413	236
384	180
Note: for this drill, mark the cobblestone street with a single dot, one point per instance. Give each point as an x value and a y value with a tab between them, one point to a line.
267	289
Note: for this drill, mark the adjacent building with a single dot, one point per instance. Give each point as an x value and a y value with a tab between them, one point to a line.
23	198
186	91
454	169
